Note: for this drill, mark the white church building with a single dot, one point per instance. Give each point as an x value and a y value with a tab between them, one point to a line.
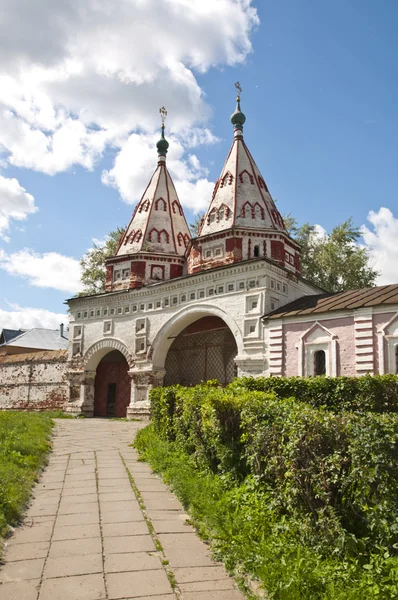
178	309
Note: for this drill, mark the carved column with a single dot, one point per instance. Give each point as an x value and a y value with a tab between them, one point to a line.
142	381
81	392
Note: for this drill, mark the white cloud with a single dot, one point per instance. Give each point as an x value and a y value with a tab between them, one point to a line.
382	243
189	176
19	317
15	203
79	75
49	270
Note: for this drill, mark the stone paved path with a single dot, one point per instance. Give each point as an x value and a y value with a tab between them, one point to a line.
102	526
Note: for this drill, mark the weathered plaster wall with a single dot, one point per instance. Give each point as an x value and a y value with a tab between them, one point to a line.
35	381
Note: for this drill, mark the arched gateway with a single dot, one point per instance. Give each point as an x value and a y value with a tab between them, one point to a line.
112	386
204	350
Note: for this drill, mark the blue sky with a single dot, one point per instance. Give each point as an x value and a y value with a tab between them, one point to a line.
79	119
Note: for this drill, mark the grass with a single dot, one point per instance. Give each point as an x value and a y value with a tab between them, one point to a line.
24	446
256	544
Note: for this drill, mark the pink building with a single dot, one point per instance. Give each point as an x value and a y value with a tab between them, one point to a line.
347	333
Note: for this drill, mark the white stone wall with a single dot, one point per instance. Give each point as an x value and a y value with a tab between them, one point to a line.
145	321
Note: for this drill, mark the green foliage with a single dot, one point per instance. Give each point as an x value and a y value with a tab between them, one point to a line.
24	444
256	539
194	227
93	263
335	261
377	393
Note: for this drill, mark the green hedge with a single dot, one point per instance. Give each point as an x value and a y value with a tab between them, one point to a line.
336	473
377	393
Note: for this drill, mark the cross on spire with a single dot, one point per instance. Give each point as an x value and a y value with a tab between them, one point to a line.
238	90
163	114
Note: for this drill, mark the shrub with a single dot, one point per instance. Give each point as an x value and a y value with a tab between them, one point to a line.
377	393
337	473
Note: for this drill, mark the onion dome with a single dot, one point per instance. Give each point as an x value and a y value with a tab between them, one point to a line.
238	118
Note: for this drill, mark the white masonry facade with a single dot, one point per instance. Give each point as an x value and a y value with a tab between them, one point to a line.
178	309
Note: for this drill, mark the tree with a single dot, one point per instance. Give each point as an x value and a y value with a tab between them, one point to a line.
194	227
93	263
335	261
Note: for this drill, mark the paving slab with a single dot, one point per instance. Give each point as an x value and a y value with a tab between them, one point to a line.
20	590
137	561
23	569
139	583
83	587
73	565
85	537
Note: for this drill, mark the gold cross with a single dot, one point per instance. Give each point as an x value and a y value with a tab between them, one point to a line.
163	114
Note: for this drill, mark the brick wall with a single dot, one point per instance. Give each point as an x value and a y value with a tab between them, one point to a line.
34	381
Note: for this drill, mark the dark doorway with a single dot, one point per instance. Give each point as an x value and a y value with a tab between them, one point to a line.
111	400
112	386
320	362
204	350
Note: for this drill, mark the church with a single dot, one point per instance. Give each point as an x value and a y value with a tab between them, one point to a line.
229	302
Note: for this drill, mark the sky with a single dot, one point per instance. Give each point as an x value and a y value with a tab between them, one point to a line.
81	84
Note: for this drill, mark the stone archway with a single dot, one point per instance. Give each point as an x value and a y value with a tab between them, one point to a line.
112	386
203	350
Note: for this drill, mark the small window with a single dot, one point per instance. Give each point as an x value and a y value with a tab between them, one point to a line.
241	285
85	314
256	251
76	349
112	311
208	254
166	301
142	306
273	283
175	300
99	312
135	307
273	305
91	313
79	315
278	286
77	332
158	304
183	298
142	346
220	289
284	288
252	328
253	304
119	310
217	252
126	309
192	296
252	283
210	292
105	312
291	260
150	306
319	362
230	287
201	294
126	273
107	326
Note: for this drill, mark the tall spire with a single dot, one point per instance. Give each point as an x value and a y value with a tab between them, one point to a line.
162	144
238	118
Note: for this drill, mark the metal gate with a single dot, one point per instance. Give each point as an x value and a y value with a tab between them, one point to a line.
197	356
